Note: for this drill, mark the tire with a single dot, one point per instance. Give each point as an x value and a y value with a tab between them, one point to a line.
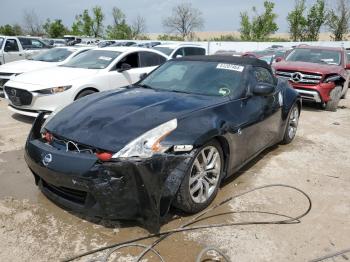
346	93
292	125
196	200
85	93
335	95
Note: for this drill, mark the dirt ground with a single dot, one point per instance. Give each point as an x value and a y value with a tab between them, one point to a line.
318	162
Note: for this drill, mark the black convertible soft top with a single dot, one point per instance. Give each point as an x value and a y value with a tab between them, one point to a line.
226	59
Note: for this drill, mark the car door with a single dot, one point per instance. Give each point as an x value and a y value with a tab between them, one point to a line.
150	61
12	51
254	120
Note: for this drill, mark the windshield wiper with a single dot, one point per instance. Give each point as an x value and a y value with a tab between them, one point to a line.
145	86
179	91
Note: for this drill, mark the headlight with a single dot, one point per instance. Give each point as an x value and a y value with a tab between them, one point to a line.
332	78
149	143
53	90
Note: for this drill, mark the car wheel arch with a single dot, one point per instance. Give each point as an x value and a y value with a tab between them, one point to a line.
85	89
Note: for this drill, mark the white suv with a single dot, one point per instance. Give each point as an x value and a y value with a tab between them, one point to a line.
180	50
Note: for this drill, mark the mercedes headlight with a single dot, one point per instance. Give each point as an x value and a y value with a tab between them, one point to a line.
149	143
53	90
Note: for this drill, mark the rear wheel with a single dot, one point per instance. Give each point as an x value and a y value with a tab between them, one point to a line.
335	95
85	93
292	125
202	180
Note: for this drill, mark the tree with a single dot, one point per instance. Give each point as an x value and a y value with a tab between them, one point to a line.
138	27
316	17
120	29
184	20
246	27
77	27
97	21
10	30
261	26
55	29
31	23
297	21
86	23
338	20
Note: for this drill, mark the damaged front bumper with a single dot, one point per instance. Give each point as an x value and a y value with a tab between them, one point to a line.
133	189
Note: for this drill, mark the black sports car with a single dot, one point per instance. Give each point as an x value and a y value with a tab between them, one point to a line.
168	140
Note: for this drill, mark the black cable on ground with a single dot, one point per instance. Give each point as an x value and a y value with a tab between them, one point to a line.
339	253
186	227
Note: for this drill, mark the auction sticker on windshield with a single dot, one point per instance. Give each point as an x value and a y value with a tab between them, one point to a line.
232	67
106	58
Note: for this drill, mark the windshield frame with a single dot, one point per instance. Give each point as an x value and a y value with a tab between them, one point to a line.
84	54
2	40
311	49
142	84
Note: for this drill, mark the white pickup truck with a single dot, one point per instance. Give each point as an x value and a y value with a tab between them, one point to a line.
18	48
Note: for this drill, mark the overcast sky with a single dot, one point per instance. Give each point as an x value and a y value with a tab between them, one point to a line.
219	15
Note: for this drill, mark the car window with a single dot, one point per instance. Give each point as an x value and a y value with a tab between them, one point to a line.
151	59
263	75
319	56
1	41
131	59
180	52
37	44
194	51
53	55
198	77
11	45
164	50
93	59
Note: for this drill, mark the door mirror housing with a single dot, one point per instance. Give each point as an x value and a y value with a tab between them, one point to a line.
262	89
124	67
178	56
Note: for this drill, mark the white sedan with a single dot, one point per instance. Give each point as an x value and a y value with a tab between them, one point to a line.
96	70
52	57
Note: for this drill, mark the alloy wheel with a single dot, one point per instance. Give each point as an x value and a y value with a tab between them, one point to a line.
205	174
293	122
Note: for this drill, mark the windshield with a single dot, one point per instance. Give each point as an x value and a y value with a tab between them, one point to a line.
53	55
196	77
1	41
93	59
318	56
164	50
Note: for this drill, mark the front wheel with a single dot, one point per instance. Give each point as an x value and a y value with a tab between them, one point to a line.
292	125
85	93
335	96
202	180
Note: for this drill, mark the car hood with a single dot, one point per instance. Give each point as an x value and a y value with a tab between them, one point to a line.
54	76
22	66
307	67
110	120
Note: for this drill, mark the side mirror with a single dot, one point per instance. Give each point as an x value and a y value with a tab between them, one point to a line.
143	76
178	56
263	89
347	67
124	67
278	59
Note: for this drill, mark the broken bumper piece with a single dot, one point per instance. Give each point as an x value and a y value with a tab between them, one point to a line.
132	189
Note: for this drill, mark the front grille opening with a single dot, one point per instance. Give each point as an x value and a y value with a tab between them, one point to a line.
72	195
19	97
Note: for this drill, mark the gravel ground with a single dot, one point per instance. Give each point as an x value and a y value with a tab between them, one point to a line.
318	162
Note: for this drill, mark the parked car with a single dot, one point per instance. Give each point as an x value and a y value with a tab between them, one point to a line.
49	58
180	50
169	139
106	43
93	71
124	43
148	44
319	74
18	48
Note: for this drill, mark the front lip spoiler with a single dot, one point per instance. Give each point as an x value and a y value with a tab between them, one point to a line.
136	189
